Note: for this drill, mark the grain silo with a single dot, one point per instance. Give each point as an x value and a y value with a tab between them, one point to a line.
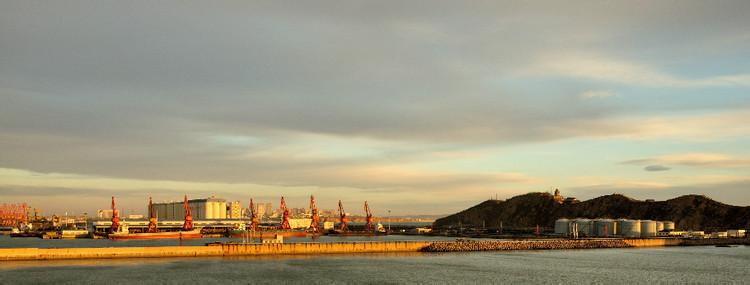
659	226
629	228
648	228
668	226
605	227
562	227
585	227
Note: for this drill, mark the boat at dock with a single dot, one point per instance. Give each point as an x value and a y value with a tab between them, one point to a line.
73	234
355	233
193	234
26	234
268	234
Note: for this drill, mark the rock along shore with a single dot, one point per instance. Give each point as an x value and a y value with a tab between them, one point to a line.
493	245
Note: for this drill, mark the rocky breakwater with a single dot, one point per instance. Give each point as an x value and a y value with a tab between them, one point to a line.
494	245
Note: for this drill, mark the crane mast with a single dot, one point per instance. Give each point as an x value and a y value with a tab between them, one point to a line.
343	227
368	214
151	217
188	225
115	218
315	218
285	214
253	216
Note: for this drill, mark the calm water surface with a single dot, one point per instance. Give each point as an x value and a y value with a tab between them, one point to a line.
669	265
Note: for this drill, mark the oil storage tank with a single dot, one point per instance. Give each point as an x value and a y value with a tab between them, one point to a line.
659	226
585	227
562	227
648	228
668	226
605	227
629	228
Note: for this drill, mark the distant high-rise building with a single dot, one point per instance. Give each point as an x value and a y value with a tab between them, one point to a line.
235	210
261	209
104	214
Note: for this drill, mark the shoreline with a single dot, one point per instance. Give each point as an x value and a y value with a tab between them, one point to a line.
216	250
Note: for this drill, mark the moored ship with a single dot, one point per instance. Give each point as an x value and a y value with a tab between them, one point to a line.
237	233
193	234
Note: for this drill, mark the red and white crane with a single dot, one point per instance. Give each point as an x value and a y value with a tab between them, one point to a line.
253	217
368	217
315	218
343	227
115	227
188	225
285	215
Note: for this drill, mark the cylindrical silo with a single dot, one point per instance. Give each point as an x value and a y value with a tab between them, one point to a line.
562	227
217	210
585	227
668	226
604	227
648	228
209	210
659	226
629	228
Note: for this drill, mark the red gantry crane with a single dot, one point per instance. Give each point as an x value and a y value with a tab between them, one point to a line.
343	227
188	225
315	218
14	214
151	217
368	216
285	215
115	227
253	217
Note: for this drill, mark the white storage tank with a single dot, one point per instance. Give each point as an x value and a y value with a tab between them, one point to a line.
605	227
659	226
668	226
562	227
629	228
648	228
585	227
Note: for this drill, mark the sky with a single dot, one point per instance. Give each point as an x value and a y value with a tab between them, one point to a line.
419	107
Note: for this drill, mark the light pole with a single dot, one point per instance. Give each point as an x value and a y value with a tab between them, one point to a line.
389	221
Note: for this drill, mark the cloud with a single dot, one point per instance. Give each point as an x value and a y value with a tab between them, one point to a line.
591	66
596	94
352	98
730	191
687	126
694	159
656	168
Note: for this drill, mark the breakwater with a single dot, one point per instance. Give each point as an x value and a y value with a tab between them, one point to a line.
542	244
210	250
493	245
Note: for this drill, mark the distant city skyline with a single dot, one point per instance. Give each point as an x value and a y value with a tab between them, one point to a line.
419	107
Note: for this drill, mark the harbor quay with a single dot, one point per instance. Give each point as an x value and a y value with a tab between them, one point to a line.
231	249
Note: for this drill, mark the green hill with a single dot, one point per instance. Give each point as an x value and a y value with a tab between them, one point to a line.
529	210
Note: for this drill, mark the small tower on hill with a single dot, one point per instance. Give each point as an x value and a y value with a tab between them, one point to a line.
558	198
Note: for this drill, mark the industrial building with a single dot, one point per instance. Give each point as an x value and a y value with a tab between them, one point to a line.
211	208
582	227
